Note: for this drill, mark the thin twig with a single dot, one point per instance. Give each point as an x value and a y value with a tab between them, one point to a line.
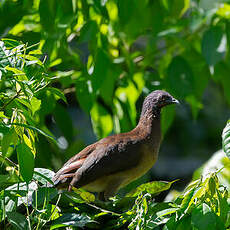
7	103
69	90
8	160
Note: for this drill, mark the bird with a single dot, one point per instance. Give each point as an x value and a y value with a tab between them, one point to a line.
114	161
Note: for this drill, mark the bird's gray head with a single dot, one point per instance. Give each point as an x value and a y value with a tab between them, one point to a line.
157	100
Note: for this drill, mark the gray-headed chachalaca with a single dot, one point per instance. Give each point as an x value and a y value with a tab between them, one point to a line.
115	161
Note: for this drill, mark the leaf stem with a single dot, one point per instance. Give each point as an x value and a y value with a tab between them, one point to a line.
7	103
8	160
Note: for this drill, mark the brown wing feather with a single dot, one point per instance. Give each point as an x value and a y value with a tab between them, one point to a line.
73	164
111	155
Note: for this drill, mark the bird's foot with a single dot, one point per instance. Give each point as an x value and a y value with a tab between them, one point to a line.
70	188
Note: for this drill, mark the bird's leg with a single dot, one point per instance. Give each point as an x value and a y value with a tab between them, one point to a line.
70	188
101	196
112	188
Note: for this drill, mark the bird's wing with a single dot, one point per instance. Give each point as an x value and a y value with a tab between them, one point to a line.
73	164
110	156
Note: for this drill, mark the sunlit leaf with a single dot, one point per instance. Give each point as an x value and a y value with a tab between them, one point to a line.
4	53
178	7
112	10
43	175
166	212
58	93
129	95
33	128
87	196
224	10
10	43
153	188
101	120
35	104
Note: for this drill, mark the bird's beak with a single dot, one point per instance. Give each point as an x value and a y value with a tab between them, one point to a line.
174	101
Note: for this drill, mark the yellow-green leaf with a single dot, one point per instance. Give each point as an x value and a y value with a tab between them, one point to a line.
153	188
35	104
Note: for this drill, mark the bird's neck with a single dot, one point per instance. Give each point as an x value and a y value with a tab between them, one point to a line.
150	125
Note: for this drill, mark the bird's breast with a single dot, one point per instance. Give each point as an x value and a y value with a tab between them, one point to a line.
147	160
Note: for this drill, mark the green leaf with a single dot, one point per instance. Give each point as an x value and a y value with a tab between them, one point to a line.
60	115
48	8
223	203
129	95
185	221
17	220
203	218
26	161
178	7
226	139
166	212
31	127
20	73
101	120
43	175
35	52
71	219
112	10
180	78
167	117
100	69
4	59
10	43
84	94
195	105
212	49
153	188
224	11
198	193
8	138
86	196
107	87
88	31
221	73
32	59
57	93
43	195
187	198
35	104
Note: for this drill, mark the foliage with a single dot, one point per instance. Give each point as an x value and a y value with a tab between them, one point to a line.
226	139
23	81
203	205
108	55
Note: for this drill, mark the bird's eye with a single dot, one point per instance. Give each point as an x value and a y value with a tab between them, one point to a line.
163	98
